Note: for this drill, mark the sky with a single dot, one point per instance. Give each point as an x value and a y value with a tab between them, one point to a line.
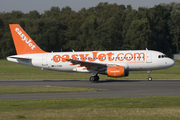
42	5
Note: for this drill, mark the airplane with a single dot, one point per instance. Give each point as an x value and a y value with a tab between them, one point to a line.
111	63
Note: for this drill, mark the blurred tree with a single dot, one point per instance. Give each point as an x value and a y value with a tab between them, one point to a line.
103	27
174	25
137	36
160	36
33	15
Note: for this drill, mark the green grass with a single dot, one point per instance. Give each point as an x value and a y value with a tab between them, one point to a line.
18	90
133	108
14	71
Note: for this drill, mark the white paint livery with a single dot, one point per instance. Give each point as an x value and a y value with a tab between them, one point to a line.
111	63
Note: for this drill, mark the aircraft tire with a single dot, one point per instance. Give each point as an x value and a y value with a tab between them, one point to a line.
94	78
149	78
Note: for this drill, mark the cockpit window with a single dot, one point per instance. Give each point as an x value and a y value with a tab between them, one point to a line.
162	56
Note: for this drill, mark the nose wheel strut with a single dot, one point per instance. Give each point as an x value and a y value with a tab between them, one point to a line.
149	76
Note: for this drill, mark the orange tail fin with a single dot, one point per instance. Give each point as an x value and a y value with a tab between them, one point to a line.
23	43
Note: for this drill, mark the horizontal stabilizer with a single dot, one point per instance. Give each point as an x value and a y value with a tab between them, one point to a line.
19	57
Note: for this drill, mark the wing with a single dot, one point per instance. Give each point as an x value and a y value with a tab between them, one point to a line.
93	66
85	63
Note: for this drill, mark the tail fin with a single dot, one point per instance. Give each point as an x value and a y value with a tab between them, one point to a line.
23	43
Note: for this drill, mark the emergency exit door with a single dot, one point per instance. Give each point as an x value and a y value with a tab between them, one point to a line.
44	61
148	57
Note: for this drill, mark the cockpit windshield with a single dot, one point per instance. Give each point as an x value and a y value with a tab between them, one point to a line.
162	56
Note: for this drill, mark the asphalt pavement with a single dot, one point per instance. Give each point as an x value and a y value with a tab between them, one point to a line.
110	88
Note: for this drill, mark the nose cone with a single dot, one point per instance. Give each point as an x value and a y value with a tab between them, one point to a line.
170	62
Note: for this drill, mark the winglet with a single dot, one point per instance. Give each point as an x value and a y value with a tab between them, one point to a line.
23	43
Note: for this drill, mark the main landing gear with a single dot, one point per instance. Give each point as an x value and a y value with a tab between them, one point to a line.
149	78
94	78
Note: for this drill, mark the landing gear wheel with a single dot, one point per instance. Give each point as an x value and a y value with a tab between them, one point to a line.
94	78
149	78
149	74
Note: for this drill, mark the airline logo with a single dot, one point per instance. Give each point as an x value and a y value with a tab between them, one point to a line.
130	57
117	71
25	39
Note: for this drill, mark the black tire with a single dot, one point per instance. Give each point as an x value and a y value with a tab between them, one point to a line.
149	78
92	78
96	78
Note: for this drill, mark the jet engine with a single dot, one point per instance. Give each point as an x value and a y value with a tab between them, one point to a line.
116	71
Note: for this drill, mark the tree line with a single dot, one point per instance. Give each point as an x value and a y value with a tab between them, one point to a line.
103	27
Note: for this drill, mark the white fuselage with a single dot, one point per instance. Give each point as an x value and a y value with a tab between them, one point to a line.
132	60
110	63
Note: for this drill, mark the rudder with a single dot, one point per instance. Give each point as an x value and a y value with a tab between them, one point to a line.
23	43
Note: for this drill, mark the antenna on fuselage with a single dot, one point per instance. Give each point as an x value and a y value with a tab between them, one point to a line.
73	50
146	49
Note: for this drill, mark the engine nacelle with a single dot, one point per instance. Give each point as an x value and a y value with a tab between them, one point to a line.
115	71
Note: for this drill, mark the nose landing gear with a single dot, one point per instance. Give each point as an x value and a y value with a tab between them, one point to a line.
149	77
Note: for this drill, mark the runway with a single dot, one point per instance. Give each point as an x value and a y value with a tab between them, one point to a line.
111	88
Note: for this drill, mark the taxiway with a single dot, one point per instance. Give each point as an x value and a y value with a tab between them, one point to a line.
111	88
